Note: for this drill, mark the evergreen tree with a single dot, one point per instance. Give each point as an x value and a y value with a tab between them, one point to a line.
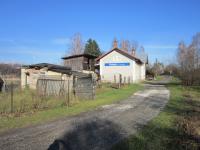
92	48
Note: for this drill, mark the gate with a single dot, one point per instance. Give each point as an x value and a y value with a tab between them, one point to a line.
85	87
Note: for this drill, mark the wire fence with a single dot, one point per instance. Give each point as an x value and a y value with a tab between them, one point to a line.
50	87
50	93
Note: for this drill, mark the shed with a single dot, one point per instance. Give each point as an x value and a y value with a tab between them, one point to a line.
31	73
80	62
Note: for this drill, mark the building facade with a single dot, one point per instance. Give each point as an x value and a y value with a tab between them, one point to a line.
31	73
118	63
80	62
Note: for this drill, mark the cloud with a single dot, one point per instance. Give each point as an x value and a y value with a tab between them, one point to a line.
61	41
160	46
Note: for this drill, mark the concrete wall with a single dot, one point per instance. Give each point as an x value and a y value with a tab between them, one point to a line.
134	71
34	75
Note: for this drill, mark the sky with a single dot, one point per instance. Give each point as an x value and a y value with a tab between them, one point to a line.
36	31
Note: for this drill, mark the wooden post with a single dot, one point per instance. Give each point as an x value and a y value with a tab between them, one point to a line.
68	93
120	80
93	88
115	79
124	80
11	102
129	80
74	87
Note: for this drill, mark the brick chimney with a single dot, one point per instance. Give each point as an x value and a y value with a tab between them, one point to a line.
115	44
133	52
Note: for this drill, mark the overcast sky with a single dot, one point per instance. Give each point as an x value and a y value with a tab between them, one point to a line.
33	31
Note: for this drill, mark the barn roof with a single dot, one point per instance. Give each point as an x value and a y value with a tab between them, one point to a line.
123	53
79	55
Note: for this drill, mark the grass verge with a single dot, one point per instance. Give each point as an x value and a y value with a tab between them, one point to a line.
105	95
159	78
177	127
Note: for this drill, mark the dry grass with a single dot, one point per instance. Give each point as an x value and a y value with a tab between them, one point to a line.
50	109
27	100
177	127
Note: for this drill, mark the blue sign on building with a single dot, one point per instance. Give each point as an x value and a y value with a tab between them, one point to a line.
117	64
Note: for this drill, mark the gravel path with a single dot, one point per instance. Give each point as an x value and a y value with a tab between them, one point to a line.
94	130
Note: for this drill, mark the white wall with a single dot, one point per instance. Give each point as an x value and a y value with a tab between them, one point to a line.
143	72
137	75
136	72
108	72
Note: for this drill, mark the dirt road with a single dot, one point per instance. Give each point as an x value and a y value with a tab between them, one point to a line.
94	130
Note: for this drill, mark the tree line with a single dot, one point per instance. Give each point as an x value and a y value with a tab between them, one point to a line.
187	66
91	47
10	69
189	61
77	46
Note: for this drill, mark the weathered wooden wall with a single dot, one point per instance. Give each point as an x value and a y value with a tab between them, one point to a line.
74	63
52	87
82	87
80	63
85	88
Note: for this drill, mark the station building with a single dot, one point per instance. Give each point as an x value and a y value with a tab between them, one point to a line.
117	62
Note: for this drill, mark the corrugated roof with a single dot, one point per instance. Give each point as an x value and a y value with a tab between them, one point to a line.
56	68
50	67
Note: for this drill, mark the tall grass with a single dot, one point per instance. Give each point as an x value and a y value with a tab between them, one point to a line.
27	100
56	109
177	127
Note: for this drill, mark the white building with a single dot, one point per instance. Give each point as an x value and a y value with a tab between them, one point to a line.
119	62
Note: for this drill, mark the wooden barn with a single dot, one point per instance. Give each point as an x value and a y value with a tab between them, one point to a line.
80	62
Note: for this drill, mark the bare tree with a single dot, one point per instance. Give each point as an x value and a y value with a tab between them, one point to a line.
158	68
10	69
130	47
125	45
141	54
134	45
196	46
172	69
188	58
76	45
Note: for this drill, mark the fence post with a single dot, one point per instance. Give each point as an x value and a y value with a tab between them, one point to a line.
114	78
68	93
124	80
120	80
73	87
93	88
129	80
11	94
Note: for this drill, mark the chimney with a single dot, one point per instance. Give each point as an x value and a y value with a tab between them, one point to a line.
133	52
115	44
